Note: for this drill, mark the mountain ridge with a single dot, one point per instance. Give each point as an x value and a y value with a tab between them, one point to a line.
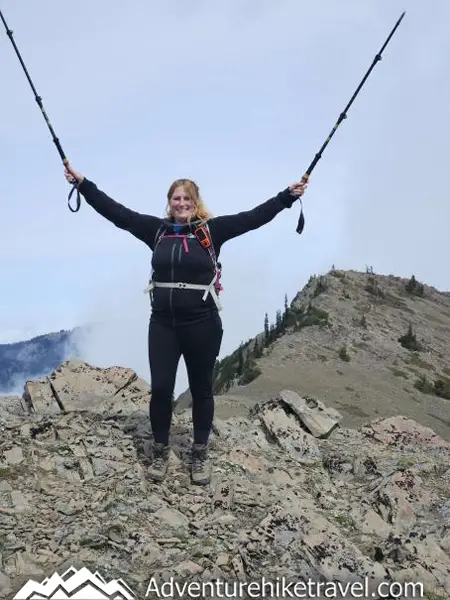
367	344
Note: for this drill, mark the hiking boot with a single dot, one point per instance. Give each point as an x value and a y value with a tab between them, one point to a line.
160	460
201	469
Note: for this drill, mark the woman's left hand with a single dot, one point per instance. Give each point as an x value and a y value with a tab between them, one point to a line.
299	188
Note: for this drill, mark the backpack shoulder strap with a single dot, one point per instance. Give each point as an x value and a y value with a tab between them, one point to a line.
203	234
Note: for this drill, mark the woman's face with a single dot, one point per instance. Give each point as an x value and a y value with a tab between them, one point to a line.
181	205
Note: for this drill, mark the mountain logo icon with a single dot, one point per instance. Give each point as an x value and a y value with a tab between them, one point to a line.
75	584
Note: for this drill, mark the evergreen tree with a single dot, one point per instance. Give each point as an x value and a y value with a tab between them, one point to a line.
414	287
278	322
409	340
240	360
266	330
258	349
216	369
271	332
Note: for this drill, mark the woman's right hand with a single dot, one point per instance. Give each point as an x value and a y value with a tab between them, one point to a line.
73	176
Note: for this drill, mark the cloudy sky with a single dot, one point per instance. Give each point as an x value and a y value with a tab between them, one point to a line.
238	95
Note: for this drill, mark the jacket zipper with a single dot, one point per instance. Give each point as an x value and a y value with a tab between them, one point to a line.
171	289
179	254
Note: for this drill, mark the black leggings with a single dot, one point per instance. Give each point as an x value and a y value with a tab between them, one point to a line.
200	345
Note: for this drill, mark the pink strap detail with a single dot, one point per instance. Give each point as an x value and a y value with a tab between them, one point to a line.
178	236
218	285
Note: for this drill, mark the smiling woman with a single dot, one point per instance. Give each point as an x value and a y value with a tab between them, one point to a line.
185	203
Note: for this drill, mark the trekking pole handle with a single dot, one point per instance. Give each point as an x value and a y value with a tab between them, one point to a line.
75	187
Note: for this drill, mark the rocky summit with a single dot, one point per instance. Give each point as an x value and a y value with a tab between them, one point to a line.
295	494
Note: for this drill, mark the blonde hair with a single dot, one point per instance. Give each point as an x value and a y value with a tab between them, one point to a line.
191	188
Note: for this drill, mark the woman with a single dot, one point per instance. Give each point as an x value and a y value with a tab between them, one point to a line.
184	291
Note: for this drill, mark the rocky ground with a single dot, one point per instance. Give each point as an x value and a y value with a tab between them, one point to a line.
294	493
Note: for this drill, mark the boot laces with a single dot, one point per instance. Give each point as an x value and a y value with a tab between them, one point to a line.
159	462
159	457
199	460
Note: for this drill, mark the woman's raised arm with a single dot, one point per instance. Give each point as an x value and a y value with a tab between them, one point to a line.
226	227
142	226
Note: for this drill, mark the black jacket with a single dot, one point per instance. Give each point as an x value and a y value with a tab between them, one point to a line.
171	261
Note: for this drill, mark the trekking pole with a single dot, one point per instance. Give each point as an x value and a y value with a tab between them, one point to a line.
342	116
47	120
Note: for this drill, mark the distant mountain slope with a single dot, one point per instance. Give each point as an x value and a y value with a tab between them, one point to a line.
33	358
368	345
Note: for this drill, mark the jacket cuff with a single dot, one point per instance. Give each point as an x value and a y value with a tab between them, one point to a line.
286	198
85	186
